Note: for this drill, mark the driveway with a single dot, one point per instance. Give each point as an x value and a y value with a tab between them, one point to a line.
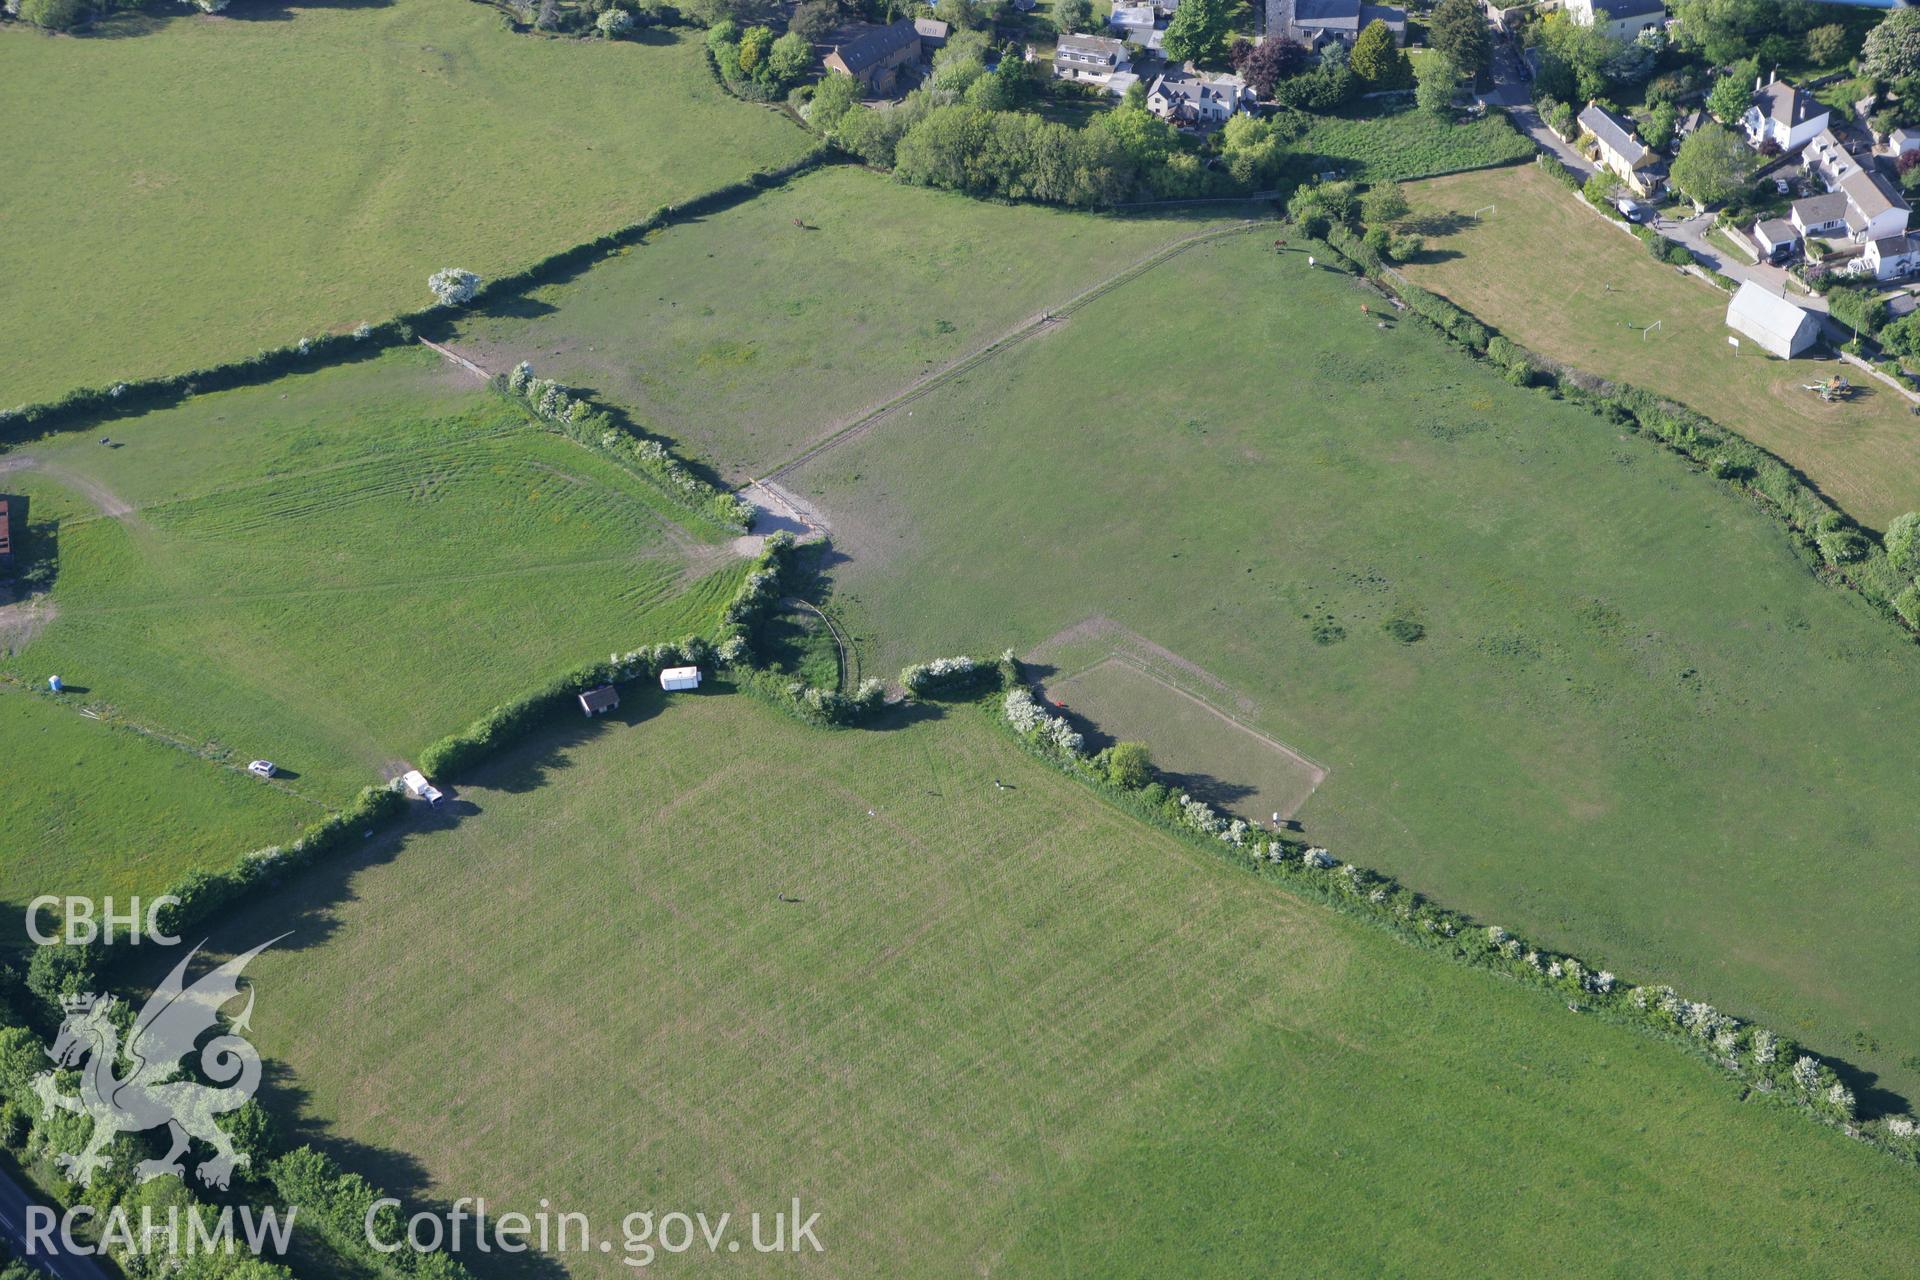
1514	93
1693	233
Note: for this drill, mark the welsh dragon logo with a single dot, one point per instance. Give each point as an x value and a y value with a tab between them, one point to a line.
164	1036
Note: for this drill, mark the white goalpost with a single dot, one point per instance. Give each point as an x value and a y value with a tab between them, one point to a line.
1649	329
1485	208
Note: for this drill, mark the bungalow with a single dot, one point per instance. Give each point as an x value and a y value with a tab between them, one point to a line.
599	701
874	55
1317	23
1089	58
1132	21
1783	115
1619	19
1620	152
1820	216
1190	99
1776	325
1777	238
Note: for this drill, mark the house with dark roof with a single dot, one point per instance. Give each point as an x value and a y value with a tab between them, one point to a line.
1621	152
1783	115
600	700
1316	23
1620	19
1185	98
1091	58
874	55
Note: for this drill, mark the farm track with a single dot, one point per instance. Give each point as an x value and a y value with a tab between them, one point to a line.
1032	327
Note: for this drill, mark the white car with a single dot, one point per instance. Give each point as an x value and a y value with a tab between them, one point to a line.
263	768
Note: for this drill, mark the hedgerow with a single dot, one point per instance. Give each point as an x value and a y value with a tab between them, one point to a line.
1772	1065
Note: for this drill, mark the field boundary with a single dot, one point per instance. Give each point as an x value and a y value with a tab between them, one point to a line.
930	382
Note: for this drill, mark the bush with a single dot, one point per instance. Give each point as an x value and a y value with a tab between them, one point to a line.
55	15
946	677
1128	765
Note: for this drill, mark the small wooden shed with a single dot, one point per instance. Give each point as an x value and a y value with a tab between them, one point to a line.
599	701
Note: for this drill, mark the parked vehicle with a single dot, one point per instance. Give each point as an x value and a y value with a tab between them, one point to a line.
1634	211
262	768
417	785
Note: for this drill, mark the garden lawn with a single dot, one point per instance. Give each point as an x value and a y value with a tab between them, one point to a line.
1552	276
1390	143
751	333
185	191
1637	727
1005	1031
336	569
95	810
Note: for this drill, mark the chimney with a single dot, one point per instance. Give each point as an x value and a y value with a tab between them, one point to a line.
1773	75
1757	84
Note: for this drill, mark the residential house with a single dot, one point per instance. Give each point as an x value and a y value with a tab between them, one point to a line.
1783	115
1902	140
1317	23
1862	209
1620	19
933	32
1889	257
1776	325
875	55
1621	153
1191	99
1089	58
1776	238
1132	21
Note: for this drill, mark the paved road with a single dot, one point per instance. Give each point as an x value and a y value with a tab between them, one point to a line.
13	1226
1514	93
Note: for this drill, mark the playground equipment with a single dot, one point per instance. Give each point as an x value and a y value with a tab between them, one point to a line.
1833	390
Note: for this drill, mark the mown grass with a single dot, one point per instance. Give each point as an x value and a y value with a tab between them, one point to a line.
334	570
100	811
186	191
1386	143
750	334
1513	270
1004	1031
1636	725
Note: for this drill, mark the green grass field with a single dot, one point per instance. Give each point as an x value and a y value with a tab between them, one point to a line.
95	810
1387	144
1511	269
1636	725
199	188
1007	1032
751	333
333	570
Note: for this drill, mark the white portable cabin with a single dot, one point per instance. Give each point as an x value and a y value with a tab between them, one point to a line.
680	678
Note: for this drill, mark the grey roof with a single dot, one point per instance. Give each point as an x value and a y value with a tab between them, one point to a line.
1894	245
931	28
1396	19
1869	191
1776	231
876	44
1079	48
601	699
1816	210
1783	103
1330	15
1181	89
1624	10
1614	133
1768	317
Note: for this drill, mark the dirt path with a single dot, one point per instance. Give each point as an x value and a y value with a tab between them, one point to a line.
1031	327
104	500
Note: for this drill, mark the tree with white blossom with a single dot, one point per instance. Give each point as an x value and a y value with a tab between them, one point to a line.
454	286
